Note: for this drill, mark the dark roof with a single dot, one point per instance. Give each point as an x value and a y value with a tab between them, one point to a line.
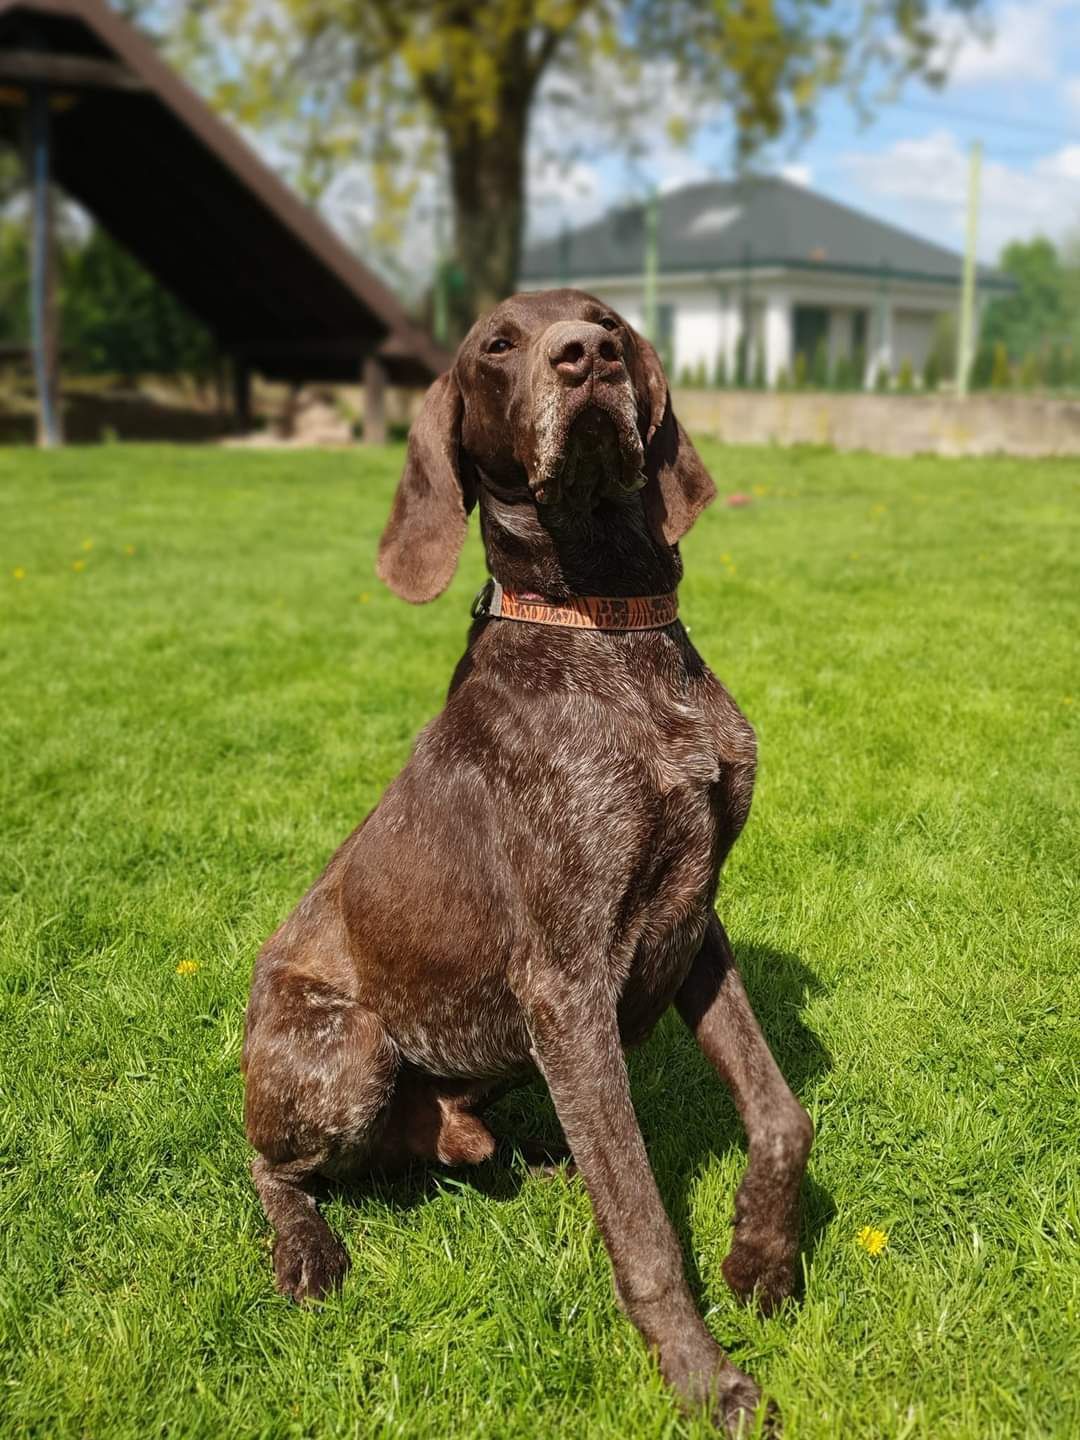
756	222
176	186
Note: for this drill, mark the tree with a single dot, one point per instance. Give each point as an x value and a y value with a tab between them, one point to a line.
1040	309
405	84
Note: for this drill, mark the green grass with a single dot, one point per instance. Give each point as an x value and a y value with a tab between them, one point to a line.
188	730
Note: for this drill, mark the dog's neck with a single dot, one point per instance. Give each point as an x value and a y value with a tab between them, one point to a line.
556	551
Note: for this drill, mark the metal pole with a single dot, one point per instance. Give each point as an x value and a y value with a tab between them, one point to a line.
965	343
42	275
652	264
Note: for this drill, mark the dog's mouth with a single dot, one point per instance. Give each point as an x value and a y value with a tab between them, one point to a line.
590	447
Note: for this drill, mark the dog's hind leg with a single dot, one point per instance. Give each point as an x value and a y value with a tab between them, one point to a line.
714	1005
319	1073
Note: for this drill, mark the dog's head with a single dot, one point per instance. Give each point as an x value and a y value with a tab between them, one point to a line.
553	401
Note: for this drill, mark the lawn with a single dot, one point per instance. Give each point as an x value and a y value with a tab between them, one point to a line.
204	688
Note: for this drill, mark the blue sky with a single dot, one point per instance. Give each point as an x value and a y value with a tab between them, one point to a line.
1019	93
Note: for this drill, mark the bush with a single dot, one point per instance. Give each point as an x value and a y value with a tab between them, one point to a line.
931	375
760	382
720	376
700	376
843	376
882	379
819	371
982	370
800	371
905	377
742	361
858	367
1000	374
686	377
1031	371
783	378
1057	370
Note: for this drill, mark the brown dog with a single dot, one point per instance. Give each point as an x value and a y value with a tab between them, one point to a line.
536	887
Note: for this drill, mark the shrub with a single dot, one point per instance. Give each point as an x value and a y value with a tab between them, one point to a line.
819	371
700	376
1057	366
843	376
882	379
1000	374
783	379
742	360
905	377
686	377
1031	371
800	371
931	375
858	367
760	381
720	377
982	370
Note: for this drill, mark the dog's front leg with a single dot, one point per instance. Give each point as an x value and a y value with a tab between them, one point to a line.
714	1004
576	1041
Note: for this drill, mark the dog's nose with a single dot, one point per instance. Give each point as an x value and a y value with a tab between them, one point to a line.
574	349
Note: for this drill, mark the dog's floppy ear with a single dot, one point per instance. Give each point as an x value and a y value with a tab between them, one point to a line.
419	550
678	487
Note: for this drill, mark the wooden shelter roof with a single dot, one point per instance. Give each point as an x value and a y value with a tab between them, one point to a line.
180	189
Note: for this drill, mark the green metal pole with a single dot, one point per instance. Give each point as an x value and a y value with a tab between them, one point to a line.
965	341
652	264
43	321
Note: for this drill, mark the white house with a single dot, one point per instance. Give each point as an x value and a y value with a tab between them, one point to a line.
772	261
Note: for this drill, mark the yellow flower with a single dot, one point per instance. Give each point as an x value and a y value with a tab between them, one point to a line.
129	549
187	967
878	509
18	573
761	489
363	597
78	564
87	544
872	1241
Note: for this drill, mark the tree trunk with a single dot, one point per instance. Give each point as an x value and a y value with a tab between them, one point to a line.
487	178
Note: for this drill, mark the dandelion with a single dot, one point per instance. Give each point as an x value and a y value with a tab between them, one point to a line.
129	549
1067	700
363	597
871	1240
878	509
18	573
761	489
187	967
854	555
77	565
87	544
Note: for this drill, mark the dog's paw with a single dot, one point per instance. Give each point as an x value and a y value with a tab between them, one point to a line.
308	1265
761	1272
738	1411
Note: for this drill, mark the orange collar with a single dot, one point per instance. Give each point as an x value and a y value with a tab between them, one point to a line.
580	612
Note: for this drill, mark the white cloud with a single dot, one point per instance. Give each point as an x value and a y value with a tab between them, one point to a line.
798	173
923	184
1022	45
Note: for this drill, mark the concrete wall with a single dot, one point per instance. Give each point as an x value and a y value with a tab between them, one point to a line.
888	424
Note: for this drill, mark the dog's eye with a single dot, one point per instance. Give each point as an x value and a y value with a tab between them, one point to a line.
499	346
609	323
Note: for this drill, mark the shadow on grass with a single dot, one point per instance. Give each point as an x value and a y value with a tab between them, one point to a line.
685	1111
